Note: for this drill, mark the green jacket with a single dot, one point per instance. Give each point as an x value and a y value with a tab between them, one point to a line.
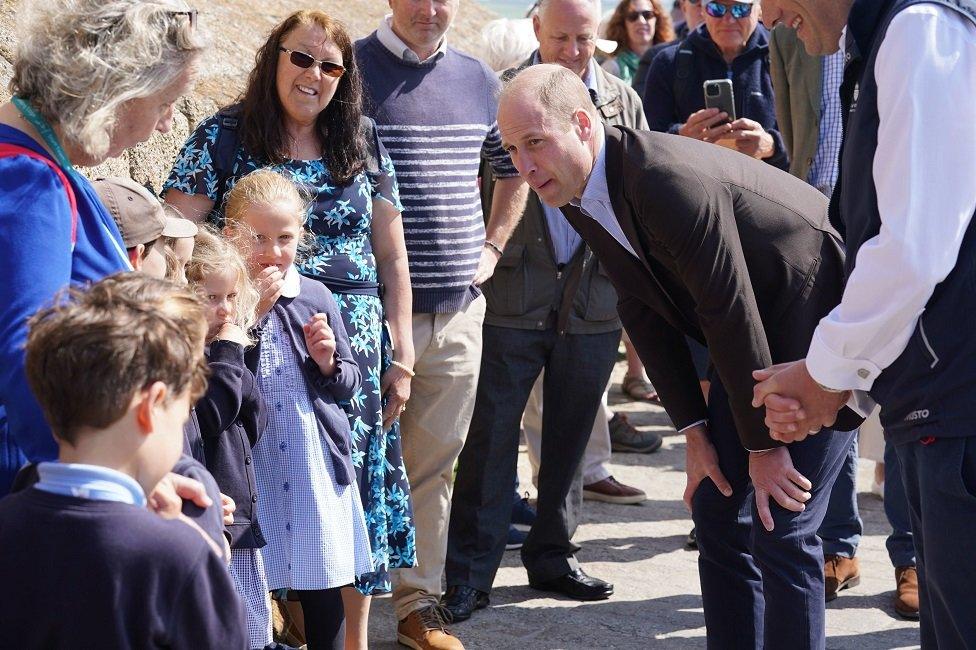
527	291
797	81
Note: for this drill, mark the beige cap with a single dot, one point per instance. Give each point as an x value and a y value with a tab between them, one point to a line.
138	213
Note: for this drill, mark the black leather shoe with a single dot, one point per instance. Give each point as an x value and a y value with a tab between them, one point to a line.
576	585
462	600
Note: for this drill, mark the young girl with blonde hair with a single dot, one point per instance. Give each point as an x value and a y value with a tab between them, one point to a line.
231	415
309	505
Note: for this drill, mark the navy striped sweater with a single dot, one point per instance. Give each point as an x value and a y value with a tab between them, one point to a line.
436	119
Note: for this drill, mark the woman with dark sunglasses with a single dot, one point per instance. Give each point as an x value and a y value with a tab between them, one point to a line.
635	26
301	115
731	44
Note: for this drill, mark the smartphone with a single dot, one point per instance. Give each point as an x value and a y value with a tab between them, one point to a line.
718	94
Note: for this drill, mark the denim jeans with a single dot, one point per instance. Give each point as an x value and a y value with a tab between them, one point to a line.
842	527
901	546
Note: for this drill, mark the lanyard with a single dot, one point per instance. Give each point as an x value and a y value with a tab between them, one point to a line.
46	131
51	138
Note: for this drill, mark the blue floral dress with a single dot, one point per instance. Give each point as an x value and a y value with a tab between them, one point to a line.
340	220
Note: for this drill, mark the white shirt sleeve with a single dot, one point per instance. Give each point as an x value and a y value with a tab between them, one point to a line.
925	176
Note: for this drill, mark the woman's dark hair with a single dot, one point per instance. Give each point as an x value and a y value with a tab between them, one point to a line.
617	25
262	116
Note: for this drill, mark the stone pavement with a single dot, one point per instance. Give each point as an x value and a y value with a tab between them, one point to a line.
640	549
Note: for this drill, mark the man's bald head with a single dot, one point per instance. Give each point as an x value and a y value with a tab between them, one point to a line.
567	31
550	129
559	92
546	6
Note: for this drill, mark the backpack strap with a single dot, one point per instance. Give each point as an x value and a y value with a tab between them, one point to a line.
367	126
11	150
225	154
683	61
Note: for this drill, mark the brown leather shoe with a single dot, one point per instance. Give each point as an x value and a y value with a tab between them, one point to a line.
426	629
839	573
610	490
906	592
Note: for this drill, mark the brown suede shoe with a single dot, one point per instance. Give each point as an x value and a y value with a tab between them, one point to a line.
610	490
426	629
839	573
906	592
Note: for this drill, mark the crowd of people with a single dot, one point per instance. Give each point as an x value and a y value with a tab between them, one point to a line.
299	378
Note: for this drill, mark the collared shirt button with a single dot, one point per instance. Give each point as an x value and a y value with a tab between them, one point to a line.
278	370
863	373
278	406
285	486
288	526
283	446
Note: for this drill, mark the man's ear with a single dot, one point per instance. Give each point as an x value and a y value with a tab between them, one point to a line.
148	399
535	25
584	124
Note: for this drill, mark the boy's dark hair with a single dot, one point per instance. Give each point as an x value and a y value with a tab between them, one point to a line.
88	355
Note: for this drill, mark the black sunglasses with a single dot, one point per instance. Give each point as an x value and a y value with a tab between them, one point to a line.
647	15
303	60
191	15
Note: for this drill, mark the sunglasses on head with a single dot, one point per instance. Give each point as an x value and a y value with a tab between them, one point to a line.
303	60
191	15
738	9
634	15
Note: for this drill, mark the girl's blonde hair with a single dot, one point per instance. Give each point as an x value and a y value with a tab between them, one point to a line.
79	61
265	187
214	254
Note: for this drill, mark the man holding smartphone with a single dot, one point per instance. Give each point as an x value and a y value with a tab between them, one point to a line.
733	46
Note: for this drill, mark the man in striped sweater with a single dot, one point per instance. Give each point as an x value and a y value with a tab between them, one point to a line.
435	111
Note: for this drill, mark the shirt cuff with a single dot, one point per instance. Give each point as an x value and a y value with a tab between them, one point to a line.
693	424
840	373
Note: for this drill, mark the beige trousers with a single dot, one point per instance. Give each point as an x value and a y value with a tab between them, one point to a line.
433	429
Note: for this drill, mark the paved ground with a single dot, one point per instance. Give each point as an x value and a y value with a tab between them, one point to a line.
658	601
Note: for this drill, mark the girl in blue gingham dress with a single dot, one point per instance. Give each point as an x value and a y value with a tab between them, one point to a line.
308	502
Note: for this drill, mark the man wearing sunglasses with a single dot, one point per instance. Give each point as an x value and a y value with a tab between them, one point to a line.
730	45
903	332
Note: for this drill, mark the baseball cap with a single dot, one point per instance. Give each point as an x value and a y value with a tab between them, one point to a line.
138	213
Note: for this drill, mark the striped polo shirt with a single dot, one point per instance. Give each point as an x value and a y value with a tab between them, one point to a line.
436	119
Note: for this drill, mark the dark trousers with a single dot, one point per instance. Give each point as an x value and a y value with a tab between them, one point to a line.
577	369
763	589
901	546
842	526
940	483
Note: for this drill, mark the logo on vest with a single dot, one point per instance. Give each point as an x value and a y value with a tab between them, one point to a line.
914	416
857	91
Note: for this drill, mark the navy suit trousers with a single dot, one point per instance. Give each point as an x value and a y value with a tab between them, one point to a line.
763	589
940	483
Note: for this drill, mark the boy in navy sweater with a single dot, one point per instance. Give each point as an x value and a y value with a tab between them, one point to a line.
115	369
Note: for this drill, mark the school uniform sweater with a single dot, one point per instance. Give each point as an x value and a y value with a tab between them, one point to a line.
81	573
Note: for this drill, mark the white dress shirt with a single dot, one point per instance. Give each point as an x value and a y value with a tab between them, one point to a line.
925	176
395	44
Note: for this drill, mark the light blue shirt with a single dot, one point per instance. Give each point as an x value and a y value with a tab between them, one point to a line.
90	482
595	202
823	171
565	240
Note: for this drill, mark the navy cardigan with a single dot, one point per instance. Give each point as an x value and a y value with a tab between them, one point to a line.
232	417
668	102
326	393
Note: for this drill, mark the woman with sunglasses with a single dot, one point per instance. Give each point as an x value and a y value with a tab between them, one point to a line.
91	80
731	44
635	26
301	115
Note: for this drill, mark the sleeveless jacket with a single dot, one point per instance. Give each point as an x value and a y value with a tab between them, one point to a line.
930	388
